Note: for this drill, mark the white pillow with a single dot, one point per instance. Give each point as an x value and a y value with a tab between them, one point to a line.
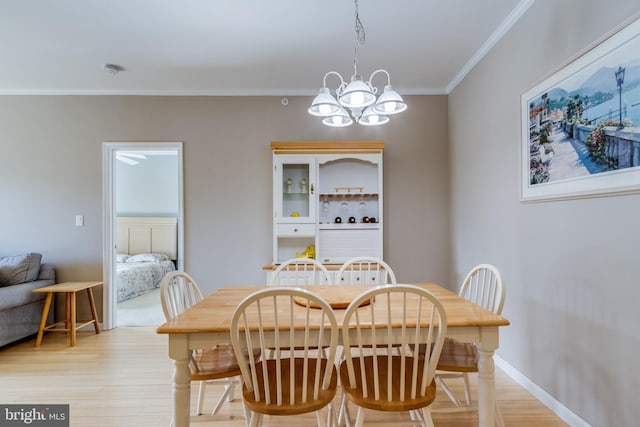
122	257
147	258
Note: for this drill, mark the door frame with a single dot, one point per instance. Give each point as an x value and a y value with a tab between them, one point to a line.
109	149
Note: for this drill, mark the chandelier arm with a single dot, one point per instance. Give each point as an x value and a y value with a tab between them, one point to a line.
342	85
324	80
377	72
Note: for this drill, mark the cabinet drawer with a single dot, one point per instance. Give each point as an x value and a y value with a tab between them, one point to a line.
337	246
295	230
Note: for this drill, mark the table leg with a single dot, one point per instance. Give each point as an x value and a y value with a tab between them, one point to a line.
93	310
180	353
43	321
67	312
486	376
73	318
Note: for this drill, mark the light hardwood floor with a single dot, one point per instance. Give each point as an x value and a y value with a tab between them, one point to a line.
122	378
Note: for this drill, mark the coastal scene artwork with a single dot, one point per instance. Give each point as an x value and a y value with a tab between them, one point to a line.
581	125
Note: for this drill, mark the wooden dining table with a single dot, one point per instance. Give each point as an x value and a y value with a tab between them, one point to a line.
208	323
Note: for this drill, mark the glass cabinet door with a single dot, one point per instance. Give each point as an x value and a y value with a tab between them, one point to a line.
295	195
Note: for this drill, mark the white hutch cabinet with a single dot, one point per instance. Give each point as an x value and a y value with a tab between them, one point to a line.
327	201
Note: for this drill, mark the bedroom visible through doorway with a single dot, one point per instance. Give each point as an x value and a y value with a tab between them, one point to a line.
143	236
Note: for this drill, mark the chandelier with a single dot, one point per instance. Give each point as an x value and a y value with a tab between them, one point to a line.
359	97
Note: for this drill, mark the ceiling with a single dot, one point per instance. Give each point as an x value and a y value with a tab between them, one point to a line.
242	47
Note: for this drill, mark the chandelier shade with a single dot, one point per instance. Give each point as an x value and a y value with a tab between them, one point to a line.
371	117
324	104
359	96
390	102
339	119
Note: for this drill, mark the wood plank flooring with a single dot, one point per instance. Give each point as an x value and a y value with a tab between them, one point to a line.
122	378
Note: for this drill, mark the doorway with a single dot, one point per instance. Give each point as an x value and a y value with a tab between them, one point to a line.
127	168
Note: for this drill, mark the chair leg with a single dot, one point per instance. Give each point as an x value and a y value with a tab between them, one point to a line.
228	389
343	413
247	414
320	420
360	417
256	419
416	415
232	395
448	391
332	418
201	390
426	417
467	393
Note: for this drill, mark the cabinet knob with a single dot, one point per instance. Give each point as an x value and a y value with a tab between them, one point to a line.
295	230
311	188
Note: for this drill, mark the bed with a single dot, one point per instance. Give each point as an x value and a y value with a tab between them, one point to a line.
147	250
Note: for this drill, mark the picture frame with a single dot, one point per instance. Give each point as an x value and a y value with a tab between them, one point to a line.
581	125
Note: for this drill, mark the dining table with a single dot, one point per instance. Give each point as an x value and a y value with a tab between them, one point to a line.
207	323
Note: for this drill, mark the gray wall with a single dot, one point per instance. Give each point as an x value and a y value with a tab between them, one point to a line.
51	170
571	267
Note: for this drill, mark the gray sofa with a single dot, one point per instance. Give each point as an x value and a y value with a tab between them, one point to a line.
20	308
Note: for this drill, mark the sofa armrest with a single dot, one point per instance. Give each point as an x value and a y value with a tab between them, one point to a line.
47	272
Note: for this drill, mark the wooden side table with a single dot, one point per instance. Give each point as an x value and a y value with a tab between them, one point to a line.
70	289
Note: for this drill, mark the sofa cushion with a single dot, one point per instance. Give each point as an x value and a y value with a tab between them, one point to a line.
18	295
19	268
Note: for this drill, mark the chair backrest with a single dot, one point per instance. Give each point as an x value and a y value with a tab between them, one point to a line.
483	286
406	317
178	291
365	271
300	272
291	322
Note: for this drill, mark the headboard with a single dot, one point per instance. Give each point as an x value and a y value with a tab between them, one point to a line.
136	235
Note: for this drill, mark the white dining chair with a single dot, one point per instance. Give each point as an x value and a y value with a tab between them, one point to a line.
483	285
375	378
361	270
365	270
296	379
300	272
178	292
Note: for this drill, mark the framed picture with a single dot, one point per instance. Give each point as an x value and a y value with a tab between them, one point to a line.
581	125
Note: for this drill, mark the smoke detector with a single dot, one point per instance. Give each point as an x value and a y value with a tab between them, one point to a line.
112	69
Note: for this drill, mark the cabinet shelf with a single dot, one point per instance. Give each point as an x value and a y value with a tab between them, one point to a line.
332	196
349	226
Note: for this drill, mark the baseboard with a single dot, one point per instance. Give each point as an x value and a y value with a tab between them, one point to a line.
549	401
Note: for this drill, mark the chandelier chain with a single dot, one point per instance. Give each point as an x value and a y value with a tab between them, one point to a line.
359	38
